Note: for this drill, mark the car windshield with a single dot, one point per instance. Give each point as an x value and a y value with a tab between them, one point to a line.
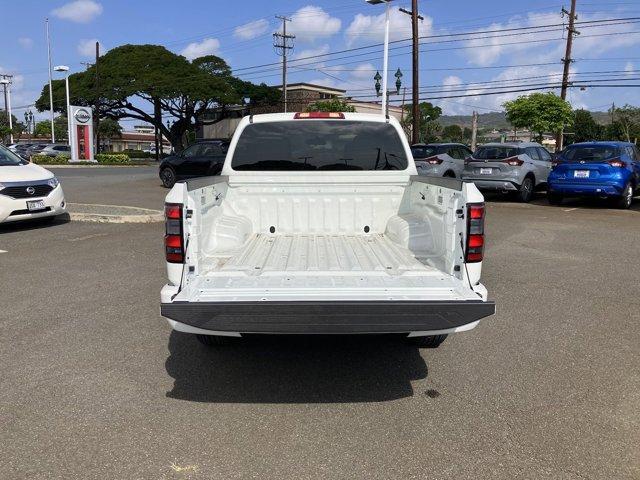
495	153
9	159
594	153
319	145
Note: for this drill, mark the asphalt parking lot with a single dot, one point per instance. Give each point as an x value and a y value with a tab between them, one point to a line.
95	385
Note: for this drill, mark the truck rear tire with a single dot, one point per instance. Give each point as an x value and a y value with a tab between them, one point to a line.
431	341
215	340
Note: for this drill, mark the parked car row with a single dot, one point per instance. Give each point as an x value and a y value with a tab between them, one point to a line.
27	150
598	169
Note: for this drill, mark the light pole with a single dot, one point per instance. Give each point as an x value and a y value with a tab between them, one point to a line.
65	69
28	118
377	78
7	99
385	61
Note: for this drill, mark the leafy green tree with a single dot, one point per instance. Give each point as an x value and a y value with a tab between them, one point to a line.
585	127
452	133
467	134
110	128
429	127
43	128
615	131
5	131
143	82
333	105
540	113
628	119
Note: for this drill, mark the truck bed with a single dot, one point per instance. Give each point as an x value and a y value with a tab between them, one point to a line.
327	267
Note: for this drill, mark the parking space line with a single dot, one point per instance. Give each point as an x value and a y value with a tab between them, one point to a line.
3	251
570	209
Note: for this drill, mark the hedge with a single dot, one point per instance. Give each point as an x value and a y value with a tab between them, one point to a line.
101	158
47	160
118	158
137	154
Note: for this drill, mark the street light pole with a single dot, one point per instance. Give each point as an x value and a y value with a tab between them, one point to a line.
385	61
7	105
65	69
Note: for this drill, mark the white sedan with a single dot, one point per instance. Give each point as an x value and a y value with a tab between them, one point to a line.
27	191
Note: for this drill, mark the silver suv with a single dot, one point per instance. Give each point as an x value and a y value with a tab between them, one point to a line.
509	167
440	159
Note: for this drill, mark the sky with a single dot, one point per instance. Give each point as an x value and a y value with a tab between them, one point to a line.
454	59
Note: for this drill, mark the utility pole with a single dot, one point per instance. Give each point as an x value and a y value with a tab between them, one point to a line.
613	112
474	131
97	105
567	62
415	107
282	46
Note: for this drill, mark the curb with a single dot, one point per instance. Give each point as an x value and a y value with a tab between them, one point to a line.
128	215
98	166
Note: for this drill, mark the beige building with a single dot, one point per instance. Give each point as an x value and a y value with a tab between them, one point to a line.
141	138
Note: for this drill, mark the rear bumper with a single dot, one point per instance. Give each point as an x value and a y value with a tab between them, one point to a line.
591	189
497	185
352	317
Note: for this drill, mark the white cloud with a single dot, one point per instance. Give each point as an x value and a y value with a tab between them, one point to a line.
251	30
548	45
311	53
87	48
370	28
629	69
311	23
208	46
364	71
79	11
25	42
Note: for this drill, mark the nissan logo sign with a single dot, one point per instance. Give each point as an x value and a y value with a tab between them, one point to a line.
82	116
31	190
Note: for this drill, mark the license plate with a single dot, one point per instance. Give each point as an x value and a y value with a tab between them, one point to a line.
581	174
486	171
35	205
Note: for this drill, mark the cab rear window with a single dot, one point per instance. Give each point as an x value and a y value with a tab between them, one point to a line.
330	145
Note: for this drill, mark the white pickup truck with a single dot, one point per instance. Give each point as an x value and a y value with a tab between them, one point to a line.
319	224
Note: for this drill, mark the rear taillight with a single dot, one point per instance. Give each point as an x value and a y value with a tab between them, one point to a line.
433	160
475	232
617	163
513	161
173	239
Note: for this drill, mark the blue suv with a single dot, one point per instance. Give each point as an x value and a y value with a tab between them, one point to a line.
600	169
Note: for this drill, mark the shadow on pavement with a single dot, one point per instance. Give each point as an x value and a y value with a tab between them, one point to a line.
294	369
26	225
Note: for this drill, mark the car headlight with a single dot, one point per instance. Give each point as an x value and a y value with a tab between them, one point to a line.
53	182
